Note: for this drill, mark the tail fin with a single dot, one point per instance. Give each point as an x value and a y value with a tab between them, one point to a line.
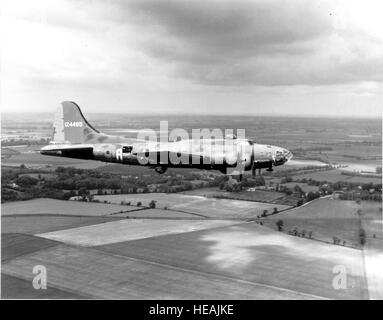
70	126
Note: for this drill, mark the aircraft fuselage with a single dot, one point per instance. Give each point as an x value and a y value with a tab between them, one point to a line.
74	137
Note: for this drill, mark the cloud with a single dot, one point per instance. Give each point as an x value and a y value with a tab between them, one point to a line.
256	42
215	55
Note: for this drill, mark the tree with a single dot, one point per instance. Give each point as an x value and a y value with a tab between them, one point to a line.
279	224
152	204
70	194
8	195
27	181
311	196
139	204
83	192
264	214
275	210
362	237
286	179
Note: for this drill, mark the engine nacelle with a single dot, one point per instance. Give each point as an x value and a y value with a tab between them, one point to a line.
160	169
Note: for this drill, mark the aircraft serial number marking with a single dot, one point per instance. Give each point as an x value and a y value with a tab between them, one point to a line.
73	124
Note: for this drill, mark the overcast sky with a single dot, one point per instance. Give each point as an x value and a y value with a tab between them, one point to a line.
181	56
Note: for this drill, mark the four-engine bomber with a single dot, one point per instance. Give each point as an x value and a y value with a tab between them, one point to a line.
75	137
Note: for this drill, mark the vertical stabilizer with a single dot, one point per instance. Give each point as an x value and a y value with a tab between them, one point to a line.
70	126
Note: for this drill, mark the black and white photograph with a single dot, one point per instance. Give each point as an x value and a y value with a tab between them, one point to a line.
191	150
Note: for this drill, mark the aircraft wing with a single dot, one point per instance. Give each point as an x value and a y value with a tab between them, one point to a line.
182	155
160	155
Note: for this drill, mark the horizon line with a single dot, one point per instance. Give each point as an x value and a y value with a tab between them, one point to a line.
291	115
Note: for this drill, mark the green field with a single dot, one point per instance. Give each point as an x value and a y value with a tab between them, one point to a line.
102	275
255	254
326	218
16	288
17	244
336	175
158	214
129	229
61	207
32	224
206	207
257	195
304	186
372	219
176	255
8	152
34	159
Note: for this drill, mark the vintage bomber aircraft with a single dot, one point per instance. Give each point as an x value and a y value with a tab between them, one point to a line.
74	137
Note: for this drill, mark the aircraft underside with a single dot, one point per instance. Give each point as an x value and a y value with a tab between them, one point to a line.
154	161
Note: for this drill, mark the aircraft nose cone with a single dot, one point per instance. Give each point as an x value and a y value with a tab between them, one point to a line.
287	154
281	156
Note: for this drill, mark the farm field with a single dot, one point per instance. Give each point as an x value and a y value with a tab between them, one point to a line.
34	159
207	207
129	229
257	195
299	163
32	224
336	175
15	244
325	217
7	152
360	179
304	186
203	192
170	258
255	254
359	166
17	288
61	207
372	220
158	214
130	278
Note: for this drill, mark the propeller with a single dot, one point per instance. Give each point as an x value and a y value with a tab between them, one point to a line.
248	160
